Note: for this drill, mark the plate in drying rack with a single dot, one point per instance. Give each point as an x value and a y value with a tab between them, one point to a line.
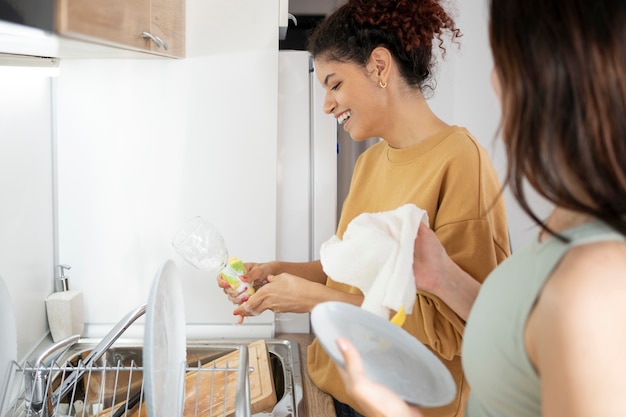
164	354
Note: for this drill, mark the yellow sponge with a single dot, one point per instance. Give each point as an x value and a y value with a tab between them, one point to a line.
399	318
233	276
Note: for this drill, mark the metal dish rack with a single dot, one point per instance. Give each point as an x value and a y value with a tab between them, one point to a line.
47	388
103	390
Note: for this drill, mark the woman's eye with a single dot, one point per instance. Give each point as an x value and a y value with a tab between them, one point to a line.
335	87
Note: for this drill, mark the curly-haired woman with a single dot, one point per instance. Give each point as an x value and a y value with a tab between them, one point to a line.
375	60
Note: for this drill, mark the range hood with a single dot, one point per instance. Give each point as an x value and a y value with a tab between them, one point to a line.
29	64
16	39
23	48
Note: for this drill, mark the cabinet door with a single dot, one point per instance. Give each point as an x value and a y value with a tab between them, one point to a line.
168	24
120	22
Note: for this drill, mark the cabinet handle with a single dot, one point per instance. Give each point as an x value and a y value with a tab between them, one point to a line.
160	43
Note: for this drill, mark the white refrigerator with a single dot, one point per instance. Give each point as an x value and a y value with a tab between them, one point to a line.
306	172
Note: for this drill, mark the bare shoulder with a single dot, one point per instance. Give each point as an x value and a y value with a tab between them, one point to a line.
593	263
580	314
589	276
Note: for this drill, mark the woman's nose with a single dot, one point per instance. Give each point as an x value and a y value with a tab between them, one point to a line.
329	104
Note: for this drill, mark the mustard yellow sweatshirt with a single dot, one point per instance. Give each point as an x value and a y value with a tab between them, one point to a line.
451	177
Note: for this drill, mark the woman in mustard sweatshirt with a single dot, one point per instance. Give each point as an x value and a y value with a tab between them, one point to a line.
375	60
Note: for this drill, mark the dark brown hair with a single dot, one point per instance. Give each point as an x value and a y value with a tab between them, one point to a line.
562	70
407	28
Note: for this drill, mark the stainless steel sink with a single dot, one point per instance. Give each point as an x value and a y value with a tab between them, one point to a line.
126	356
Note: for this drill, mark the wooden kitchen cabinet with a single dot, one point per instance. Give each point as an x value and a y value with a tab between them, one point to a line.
168	22
105	28
155	26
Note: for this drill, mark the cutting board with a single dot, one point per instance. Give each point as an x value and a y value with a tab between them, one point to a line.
222	386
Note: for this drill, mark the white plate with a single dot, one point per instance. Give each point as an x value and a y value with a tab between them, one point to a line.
8	340
391	356
164	352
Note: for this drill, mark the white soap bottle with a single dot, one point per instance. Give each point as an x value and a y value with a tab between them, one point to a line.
65	309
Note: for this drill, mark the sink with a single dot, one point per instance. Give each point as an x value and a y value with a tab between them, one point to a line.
117	376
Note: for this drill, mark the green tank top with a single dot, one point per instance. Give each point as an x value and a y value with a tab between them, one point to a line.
500	375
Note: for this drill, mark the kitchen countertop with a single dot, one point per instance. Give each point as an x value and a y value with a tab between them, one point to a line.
316	402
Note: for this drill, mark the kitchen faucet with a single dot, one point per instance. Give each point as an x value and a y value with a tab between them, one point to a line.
36	379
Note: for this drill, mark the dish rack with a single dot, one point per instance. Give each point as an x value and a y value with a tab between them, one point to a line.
104	390
96	387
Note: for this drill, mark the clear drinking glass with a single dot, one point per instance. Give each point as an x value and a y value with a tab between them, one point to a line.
201	244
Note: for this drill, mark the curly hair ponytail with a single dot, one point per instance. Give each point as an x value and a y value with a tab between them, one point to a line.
407	28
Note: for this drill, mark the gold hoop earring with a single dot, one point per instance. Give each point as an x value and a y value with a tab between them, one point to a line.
382	84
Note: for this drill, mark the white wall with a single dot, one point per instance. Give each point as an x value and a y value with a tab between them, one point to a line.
144	145
26	234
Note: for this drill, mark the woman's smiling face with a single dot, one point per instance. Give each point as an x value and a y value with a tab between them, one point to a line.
352	97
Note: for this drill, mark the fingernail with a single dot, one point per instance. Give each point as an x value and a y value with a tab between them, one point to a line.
341	344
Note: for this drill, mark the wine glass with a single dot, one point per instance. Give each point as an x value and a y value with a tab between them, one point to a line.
201	244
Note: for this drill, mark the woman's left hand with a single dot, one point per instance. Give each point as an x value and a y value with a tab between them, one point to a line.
375	400
282	293
436	273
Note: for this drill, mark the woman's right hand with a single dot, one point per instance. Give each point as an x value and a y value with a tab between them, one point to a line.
257	273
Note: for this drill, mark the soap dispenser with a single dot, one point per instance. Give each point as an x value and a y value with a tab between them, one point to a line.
65	309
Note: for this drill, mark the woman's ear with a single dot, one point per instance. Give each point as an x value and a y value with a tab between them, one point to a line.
379	64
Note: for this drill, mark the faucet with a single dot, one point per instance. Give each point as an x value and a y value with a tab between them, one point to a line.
38	403
36	379
98	351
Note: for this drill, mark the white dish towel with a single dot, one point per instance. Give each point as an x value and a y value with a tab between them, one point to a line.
376	256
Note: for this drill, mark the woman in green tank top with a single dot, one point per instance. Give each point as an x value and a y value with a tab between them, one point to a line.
546	334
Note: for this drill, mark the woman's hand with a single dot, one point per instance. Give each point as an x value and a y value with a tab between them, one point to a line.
430	261
375	399
436	273
282	293
256	275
